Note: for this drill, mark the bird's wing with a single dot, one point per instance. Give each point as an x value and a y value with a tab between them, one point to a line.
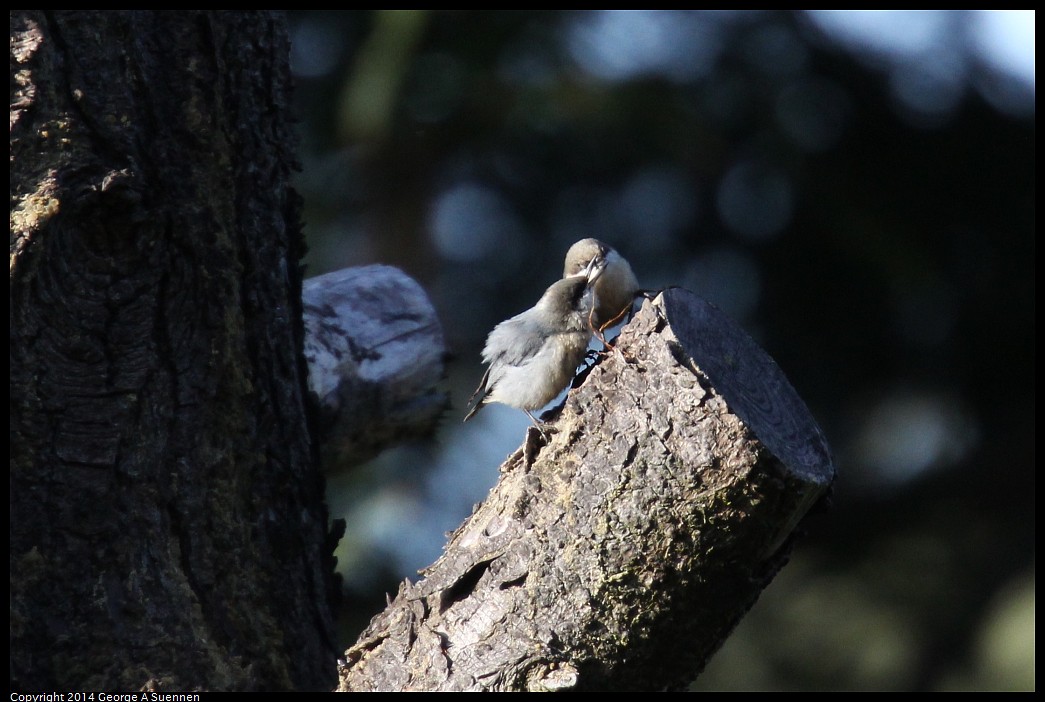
514	342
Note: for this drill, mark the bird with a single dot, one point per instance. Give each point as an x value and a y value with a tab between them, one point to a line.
616	288
532	356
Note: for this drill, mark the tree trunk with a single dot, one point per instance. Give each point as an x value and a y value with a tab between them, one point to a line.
167	522
621	554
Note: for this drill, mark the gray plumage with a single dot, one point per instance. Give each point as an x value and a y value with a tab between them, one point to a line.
615	289
534	355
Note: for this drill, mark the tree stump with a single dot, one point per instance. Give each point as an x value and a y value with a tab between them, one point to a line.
619	555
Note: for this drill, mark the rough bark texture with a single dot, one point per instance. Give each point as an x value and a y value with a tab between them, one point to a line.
167	526
375	355
621	554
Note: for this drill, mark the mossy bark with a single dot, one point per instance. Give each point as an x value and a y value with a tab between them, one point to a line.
167	523
620	554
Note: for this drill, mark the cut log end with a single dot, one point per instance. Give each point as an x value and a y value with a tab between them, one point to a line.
656	513
375	354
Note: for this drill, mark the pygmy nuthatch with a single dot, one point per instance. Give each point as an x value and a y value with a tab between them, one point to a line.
616	288
534	355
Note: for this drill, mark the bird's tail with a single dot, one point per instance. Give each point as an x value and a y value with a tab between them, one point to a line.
478	398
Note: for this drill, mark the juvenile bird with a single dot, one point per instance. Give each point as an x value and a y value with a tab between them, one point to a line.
534	355
616	288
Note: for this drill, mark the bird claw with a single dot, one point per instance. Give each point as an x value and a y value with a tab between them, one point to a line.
533	432
537	425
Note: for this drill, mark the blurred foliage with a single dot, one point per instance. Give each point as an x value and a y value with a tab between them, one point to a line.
858	194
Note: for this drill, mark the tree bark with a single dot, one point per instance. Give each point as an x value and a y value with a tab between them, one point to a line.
375	355
621	554
167	522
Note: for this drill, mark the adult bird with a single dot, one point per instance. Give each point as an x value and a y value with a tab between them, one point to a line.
616	288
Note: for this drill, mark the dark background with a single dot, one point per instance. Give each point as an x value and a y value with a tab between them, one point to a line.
856	189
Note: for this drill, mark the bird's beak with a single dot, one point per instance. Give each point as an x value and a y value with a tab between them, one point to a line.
595	268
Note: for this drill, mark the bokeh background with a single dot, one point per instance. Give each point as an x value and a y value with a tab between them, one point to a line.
855	188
